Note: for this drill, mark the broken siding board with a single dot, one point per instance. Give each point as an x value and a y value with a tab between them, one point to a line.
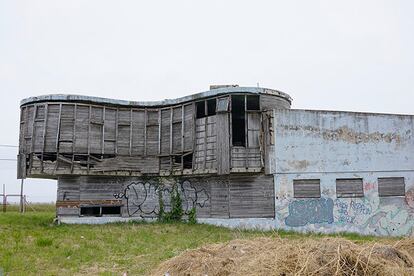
66	129
109	126
82	127
138	121
165	131
152	135
223	144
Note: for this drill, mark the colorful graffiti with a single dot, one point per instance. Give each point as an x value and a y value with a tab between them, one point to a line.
142	198
310	211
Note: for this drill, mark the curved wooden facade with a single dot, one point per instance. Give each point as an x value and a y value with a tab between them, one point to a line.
220	131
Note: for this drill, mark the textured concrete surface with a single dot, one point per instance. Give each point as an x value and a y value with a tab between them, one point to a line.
328	145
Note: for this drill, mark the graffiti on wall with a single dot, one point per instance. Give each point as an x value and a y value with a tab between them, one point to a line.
310	211
368	215
350	211
142	198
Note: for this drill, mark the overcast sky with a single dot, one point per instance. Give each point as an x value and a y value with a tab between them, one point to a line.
335	55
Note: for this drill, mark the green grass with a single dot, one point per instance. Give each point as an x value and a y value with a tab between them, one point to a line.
30	244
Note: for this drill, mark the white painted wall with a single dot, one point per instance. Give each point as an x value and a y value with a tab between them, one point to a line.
327	145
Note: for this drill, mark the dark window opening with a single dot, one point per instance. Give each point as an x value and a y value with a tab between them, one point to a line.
188	161
211	107
97	211
91	211
201	109
111	210
238	121
253	102
177	159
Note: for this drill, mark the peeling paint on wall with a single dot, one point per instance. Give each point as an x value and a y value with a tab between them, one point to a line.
328	145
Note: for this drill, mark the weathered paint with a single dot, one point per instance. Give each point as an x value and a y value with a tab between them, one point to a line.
330	145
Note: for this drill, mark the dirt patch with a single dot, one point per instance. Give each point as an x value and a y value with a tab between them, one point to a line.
276	256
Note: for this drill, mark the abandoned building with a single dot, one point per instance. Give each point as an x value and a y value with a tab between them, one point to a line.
239	155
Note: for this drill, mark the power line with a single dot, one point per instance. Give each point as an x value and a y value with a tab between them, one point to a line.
8	146
6	159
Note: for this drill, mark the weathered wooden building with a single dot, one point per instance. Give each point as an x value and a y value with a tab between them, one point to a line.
239	155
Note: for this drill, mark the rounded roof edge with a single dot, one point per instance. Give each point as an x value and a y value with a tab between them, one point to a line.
166	102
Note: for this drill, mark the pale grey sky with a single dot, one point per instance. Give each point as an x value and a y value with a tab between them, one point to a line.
335	55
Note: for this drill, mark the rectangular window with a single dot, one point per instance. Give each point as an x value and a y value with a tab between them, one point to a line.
391	186
238	121
306	188
349	187
222	104
211	107
188	161
90	211
253	103
201	109
98	211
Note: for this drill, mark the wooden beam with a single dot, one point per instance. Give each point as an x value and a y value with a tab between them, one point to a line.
57	139
75	116
116	131
145	131
130	132
159	131
103	132
44	135
171	130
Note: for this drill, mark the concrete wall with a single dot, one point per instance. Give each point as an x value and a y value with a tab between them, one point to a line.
327	145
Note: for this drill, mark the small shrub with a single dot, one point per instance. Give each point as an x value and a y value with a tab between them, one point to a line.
192	216
161	212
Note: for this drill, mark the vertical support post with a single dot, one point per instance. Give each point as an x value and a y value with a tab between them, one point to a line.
130	132
24	204
44	136
145	131
21	195
4	198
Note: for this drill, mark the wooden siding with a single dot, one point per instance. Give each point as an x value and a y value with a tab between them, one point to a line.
349	187
391	186
306	188
83	138
215	196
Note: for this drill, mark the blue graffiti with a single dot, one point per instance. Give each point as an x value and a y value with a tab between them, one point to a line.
310	211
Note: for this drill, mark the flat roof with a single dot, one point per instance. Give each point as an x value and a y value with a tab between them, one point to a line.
166	102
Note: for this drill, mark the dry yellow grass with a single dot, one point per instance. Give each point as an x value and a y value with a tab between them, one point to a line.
281	256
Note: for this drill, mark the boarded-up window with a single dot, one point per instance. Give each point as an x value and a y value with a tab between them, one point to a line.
391	186
306	188
349	187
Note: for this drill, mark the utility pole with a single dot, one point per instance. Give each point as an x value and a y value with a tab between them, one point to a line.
4	198
21	196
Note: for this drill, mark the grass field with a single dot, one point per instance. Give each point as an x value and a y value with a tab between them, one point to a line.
32	244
